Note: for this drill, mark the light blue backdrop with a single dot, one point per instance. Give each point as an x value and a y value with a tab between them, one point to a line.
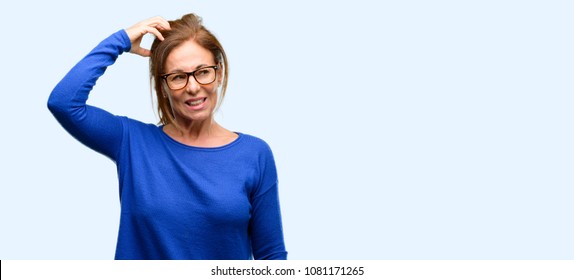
401	129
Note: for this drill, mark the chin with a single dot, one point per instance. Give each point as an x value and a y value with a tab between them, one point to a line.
198	117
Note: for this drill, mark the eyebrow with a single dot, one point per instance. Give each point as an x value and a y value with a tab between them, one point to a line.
177	70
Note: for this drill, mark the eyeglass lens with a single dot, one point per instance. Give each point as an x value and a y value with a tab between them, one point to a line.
202	76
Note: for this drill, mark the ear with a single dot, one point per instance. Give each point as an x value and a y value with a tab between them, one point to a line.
164	90
220	74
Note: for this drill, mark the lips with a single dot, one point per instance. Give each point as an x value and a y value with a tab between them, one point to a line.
195	101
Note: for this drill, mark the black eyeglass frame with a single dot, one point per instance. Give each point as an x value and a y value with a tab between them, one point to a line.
192	73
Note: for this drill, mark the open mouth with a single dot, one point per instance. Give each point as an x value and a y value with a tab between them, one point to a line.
195	102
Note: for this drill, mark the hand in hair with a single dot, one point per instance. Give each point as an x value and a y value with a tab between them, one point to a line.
152	25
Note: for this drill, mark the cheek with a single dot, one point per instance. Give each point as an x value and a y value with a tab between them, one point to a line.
176	94
212	91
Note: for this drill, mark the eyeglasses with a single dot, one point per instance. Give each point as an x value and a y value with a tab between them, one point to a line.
202	76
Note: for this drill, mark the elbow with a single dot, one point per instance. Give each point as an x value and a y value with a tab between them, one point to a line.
54	103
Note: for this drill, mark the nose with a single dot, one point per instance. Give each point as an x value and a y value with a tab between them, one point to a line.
192	85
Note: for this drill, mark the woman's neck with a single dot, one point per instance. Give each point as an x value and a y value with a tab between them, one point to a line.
207	133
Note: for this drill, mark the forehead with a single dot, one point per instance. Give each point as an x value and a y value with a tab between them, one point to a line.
187	57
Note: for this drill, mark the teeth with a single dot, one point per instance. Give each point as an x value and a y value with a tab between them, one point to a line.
196	102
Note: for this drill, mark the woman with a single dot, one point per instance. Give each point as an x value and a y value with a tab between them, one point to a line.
189	188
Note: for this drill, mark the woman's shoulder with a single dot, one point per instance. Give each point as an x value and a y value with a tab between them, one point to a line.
136	126
255	143
253	140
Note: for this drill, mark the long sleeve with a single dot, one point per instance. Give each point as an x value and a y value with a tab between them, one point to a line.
266	225
177	201
92	126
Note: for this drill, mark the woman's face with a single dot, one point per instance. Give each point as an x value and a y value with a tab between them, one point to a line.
194	102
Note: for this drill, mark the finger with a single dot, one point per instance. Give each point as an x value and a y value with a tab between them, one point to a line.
155	32
141	51
144	52
162	27
161	23
158	23
165	24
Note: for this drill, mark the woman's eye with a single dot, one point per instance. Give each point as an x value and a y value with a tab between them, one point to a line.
178	77
203	72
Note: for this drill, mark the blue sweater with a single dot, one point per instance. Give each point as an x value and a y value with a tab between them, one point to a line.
177	201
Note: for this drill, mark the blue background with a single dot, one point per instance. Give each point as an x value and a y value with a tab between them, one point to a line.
401	129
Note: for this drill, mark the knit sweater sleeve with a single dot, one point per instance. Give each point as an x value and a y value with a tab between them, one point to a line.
266	226
92	126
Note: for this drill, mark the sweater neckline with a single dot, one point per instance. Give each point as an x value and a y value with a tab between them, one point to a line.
197	148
